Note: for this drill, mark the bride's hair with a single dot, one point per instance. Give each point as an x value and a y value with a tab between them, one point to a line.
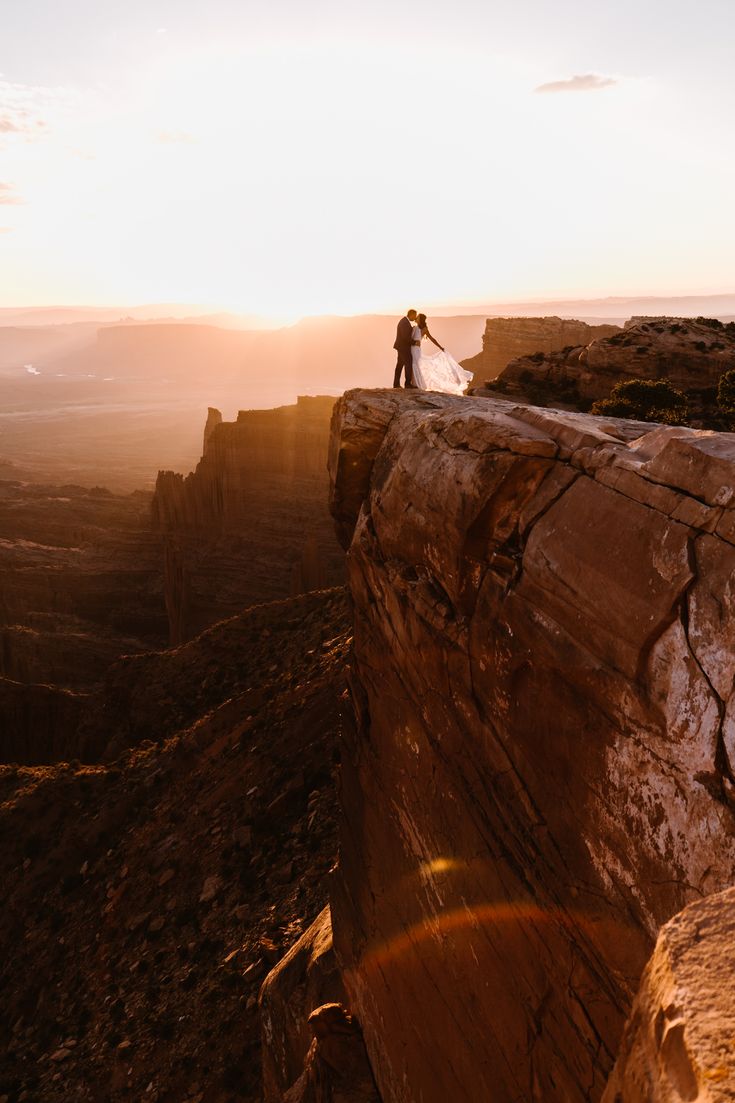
421	321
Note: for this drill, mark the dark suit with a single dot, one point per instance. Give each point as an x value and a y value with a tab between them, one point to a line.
402	345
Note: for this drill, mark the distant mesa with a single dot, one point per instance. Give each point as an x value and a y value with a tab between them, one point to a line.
505	339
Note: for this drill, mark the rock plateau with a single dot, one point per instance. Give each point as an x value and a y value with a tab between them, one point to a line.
506	339
690	354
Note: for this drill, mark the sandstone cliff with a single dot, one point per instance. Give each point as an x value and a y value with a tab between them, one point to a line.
505	339
540	772
692	355
251	523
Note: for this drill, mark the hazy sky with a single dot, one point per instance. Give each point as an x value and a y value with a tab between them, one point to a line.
290	157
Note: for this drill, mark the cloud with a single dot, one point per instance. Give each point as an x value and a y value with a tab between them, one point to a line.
174	137
8	194
590	82
25	109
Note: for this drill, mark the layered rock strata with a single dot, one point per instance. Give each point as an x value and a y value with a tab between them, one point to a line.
679	1038
692	355
251	523
540	772
506	339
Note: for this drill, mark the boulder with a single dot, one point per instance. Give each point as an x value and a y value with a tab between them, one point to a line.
302	981
678	1041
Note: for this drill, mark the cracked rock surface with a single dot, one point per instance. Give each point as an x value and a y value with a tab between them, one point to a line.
540	772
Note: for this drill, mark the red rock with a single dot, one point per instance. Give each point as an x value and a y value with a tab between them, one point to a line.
689	354
506	339
678	1040
542	688
302	981
261	484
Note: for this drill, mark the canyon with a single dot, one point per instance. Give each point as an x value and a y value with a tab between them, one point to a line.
462	832
539	769
87	575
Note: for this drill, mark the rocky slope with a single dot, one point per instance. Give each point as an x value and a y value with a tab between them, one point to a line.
251	523
144	901
540	772
506	339
692	355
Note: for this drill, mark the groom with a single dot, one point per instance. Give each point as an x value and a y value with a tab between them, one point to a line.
404	361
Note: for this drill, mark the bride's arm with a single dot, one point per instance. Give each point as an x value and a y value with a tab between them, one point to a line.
433	341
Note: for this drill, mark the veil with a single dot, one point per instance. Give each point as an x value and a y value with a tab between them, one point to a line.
440	372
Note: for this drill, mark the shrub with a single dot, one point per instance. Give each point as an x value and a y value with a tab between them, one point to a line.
644	400
726	392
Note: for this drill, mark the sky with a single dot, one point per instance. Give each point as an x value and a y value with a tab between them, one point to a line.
282	158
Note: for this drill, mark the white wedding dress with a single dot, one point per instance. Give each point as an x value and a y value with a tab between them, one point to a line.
437	371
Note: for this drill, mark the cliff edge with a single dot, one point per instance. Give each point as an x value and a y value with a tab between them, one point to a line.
540	770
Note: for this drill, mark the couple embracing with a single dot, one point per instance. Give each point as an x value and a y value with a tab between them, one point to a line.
437	372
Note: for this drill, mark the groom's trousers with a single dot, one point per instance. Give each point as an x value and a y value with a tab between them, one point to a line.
404	362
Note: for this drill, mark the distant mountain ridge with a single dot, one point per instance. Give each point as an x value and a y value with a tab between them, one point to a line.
608	308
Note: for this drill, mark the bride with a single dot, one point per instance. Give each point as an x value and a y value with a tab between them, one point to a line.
438	371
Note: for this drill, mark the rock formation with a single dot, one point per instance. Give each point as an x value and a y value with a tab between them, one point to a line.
506	339
251	523
540	771
679	1039
692	355
302	981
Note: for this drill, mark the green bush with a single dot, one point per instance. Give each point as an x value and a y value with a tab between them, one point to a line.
644	400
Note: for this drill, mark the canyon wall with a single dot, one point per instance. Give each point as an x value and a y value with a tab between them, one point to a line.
251	524
540	769
505	339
